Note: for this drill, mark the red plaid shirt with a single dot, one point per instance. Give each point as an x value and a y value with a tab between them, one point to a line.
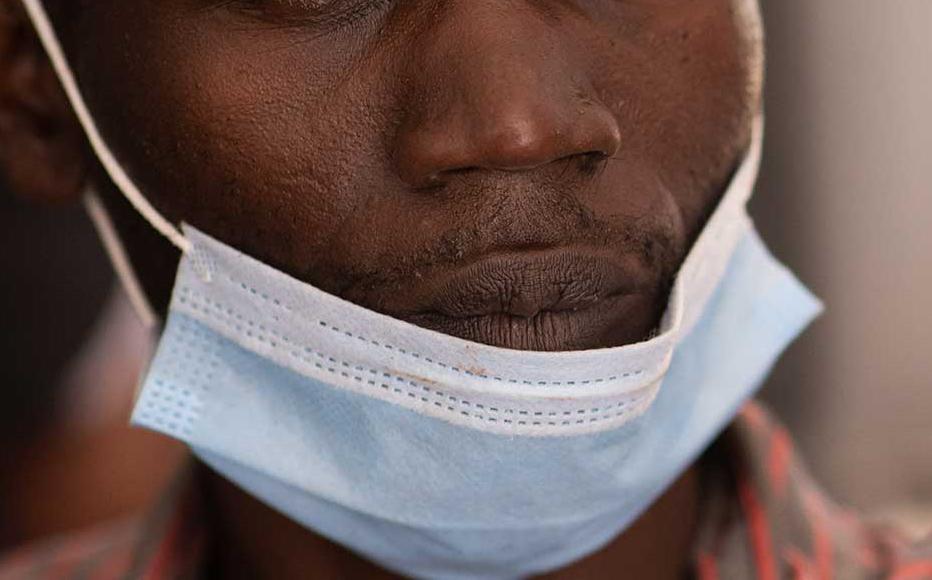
768	520
763	519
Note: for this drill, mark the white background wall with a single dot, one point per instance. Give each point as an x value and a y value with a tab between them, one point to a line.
846	198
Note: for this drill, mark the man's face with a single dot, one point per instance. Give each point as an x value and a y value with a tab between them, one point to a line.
522	173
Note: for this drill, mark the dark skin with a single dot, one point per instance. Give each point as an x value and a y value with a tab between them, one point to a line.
526	174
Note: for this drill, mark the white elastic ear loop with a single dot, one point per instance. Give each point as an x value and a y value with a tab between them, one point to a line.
118	257
750	22
47	36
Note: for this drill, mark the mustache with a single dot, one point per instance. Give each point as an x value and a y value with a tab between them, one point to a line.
512	226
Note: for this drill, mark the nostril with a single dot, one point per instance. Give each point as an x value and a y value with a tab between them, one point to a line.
440	179
460	171
592	162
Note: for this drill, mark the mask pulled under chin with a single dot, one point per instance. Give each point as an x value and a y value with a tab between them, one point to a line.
441	458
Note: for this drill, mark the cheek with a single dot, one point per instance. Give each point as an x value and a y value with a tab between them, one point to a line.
244	133
679	85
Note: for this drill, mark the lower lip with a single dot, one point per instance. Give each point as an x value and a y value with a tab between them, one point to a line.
613	321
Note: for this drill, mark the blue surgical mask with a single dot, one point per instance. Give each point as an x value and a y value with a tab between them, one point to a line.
437	457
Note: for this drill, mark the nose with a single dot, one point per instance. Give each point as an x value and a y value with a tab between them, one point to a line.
493	90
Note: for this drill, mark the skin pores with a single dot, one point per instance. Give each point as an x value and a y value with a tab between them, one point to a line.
523	174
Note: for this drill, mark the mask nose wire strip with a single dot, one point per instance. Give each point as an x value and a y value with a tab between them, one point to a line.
119	259
55	53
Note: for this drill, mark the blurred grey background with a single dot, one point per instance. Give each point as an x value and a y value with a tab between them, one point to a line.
846	198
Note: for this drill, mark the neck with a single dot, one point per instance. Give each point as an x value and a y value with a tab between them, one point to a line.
252	540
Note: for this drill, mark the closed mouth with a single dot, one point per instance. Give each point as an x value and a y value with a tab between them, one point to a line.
543	300
547	330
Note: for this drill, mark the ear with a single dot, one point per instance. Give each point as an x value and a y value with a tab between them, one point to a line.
42	149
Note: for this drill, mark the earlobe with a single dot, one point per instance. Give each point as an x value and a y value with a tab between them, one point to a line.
42	152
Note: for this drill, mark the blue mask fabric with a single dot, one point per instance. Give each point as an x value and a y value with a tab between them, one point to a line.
601	482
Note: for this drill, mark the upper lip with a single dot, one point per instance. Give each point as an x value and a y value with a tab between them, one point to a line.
529	283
